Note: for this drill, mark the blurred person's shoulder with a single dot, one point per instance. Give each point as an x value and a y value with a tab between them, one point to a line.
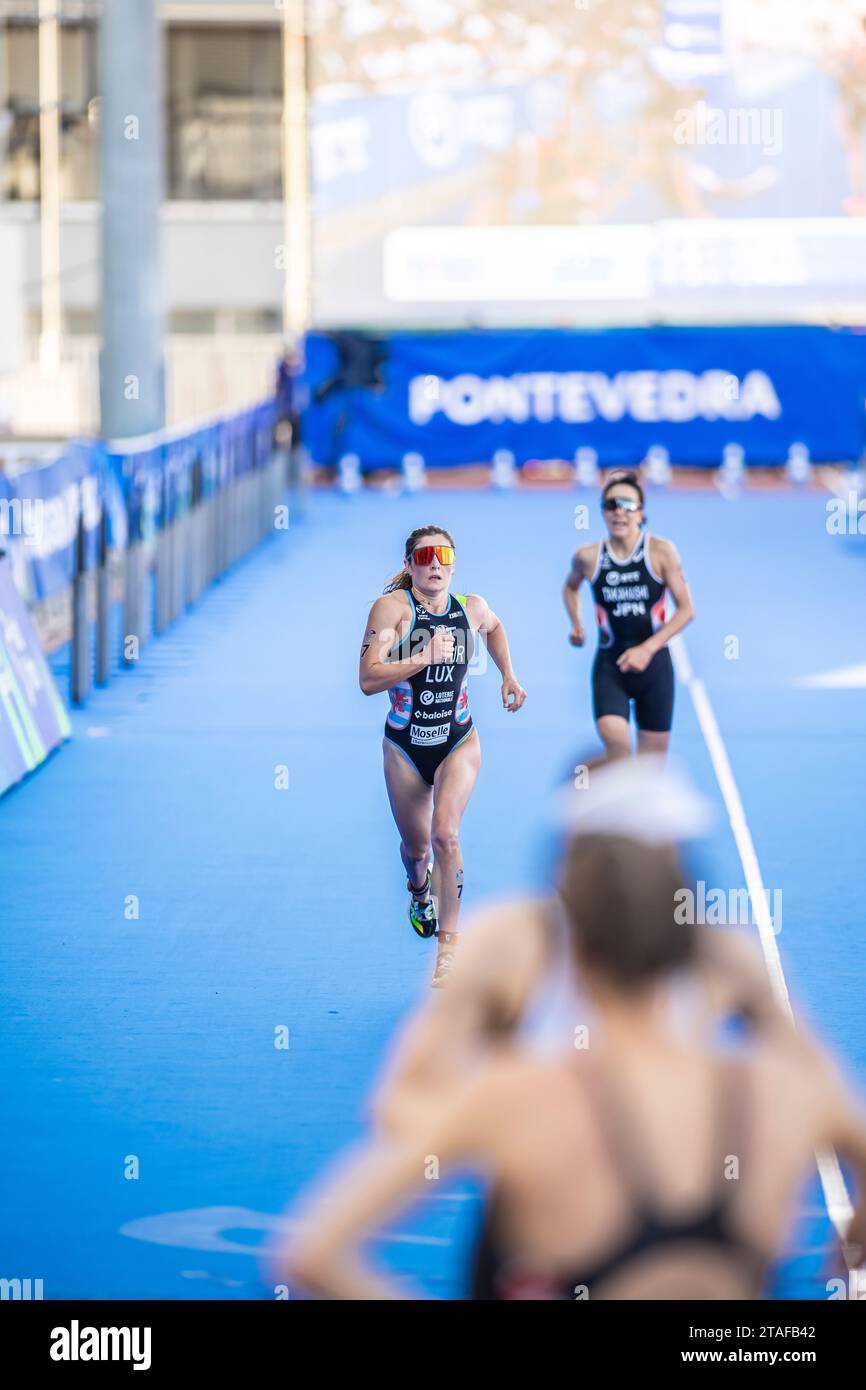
506	946
512	1073
514	923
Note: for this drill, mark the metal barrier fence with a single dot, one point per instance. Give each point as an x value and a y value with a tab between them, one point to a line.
181	510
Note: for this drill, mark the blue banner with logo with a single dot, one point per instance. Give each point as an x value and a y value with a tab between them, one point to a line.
458	397
150	482
40	507
142	485
33	720
155	477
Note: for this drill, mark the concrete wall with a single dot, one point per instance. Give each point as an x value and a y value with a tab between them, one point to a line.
216	255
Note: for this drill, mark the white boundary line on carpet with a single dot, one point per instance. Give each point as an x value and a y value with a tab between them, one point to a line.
836	1193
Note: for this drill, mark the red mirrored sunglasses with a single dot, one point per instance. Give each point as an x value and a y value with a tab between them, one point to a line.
423	554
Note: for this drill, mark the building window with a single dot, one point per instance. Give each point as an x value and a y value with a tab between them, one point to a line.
223	93
79	84
19	108
19	116
224	96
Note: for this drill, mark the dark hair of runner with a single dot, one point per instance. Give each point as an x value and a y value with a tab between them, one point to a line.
620	897
630	478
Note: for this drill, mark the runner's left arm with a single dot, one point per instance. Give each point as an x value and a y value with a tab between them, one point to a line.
493	629
670	571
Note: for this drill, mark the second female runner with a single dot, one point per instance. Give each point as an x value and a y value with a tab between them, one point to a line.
629	574
418	645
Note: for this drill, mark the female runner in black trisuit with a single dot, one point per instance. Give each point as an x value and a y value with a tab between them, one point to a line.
609	1164
418	645
629	574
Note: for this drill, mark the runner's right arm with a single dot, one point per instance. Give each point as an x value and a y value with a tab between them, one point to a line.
375	672
582	564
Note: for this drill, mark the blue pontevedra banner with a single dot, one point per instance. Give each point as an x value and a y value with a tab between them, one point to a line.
459	397
33	720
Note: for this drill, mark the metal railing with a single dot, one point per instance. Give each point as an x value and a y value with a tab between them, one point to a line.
178	510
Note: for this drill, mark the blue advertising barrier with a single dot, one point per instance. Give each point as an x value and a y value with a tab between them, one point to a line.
40	506
458	397
154	475
33	720
51	538
40	509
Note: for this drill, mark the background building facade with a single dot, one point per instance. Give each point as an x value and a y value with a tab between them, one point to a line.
222	219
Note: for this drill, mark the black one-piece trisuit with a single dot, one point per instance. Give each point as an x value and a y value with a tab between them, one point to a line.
429	714
712	1232
630	606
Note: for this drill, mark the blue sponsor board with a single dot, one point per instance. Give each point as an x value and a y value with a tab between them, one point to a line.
458	397
33	720
146	484
154	476
40	508
149	482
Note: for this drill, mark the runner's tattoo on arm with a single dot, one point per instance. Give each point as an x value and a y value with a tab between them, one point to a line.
371	632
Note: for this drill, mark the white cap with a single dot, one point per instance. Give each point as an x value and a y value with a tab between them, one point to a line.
644	798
